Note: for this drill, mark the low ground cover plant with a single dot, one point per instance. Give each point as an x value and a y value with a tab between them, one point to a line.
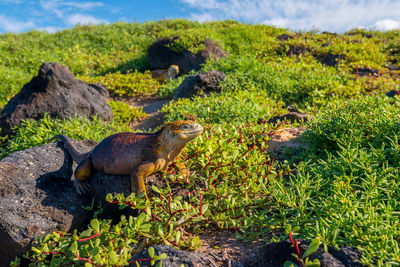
343	189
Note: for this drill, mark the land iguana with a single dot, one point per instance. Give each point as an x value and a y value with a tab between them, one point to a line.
137	154
165	75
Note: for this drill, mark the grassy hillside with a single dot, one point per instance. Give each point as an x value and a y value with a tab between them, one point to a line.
343	189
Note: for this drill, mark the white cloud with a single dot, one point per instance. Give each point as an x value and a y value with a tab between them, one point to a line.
202	17
60	7
52	6
10	25
50	29
331	15
83	19
83	5
387	24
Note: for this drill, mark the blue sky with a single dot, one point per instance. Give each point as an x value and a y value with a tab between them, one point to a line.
327	15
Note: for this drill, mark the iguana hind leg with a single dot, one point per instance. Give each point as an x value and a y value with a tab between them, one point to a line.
83	173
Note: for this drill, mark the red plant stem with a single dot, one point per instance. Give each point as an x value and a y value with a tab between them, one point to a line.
84	259
169	203
194	154
88	238
173	243
173	214
240	136
294	243
201	203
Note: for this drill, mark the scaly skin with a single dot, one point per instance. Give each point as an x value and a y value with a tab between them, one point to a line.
137	154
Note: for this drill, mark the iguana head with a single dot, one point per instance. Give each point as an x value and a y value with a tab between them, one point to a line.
173	70
177	134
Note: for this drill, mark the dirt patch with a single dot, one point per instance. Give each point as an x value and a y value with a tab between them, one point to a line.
284	139
225	249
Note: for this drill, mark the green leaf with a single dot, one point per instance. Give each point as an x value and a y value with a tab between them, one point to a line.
74	246
204	208
36	250
151	252
155	189
113	258
95	225
162	256
95	251
141	218
314	263
289	264
311	248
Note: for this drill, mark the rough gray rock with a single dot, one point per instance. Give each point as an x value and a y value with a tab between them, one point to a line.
290	117
275	254
55	91
175	257
160	55
200	84
37	197
284	37
271	255
329	59
392	93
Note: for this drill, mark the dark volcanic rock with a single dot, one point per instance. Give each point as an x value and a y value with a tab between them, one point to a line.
275	254
329	59
392	93
296	50
290	117
103	184
160	55
366	72
55	91
270	255
284	37
200	84
37	197
174	258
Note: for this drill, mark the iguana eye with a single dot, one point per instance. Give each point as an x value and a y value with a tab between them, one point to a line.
185	126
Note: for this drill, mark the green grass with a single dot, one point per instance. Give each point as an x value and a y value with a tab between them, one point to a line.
343	188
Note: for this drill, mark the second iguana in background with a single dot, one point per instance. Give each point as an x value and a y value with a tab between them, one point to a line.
136	154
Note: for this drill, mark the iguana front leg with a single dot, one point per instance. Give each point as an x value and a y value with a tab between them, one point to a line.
180	166
141	172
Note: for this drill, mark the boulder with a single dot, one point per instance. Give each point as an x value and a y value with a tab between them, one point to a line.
392	93
200	84
329	59
290	117
284	37
55	91
161	56
37	197
361	72
175	257
273	254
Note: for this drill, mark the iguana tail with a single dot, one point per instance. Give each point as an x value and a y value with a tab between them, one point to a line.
76	156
